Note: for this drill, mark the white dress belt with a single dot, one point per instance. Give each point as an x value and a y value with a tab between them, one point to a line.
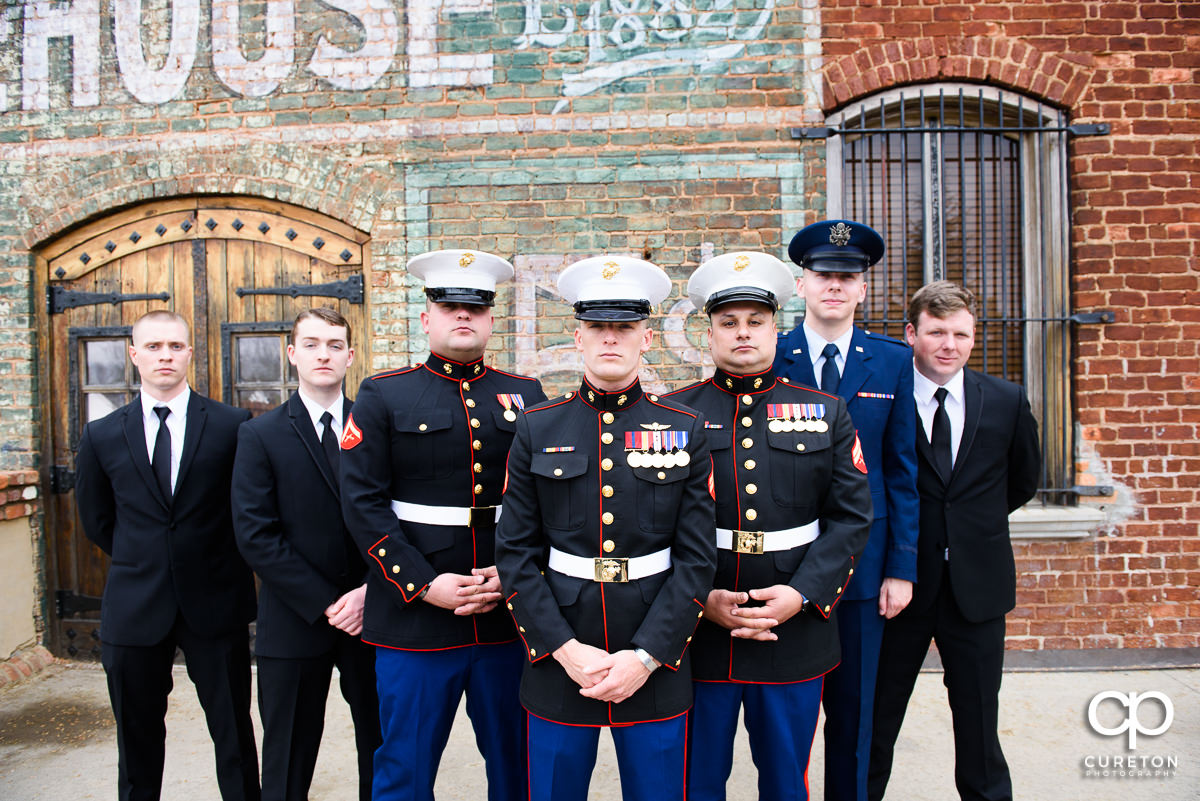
447	515
617	569
763	541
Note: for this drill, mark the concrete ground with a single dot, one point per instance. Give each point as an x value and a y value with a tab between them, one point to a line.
57	743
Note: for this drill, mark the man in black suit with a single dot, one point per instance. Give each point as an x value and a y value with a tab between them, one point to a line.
287	517
978	460
152	486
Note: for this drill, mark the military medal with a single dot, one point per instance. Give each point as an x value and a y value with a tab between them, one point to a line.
683	458
508	400
775	426
821	426
634	458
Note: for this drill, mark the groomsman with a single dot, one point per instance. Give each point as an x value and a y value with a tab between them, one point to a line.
152	485
287	516
873	375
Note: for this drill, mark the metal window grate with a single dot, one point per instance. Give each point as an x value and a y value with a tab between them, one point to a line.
970	184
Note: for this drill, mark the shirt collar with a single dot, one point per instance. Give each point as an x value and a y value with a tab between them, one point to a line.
455	371
178	404
924	388
744	384
817	343
315	410
615	401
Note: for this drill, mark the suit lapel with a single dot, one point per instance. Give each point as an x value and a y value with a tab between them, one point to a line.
135	437
303	426
858	366
795	355
972	413
197	416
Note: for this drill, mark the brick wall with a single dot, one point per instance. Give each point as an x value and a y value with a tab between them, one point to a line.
510	127
1136	223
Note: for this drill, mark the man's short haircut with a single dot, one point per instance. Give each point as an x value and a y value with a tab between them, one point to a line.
940	299
162	316
326	314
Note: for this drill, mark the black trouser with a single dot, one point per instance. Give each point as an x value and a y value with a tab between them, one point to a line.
139	681
973	660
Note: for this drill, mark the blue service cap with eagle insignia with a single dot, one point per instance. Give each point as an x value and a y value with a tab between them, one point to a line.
741	276
613	288
461	276
836	246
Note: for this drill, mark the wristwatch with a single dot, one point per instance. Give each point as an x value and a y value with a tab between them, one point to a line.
650	662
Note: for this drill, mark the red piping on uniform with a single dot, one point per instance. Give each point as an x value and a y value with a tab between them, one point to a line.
396	372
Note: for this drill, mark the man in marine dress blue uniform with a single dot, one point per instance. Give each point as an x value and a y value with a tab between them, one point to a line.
873	374
793	513
606	551
423	455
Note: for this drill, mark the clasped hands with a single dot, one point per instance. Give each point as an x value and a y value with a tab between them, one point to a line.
601	675
466	595
780	603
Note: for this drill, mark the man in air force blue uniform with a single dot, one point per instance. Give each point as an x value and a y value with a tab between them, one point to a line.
873	374
793	512
423	456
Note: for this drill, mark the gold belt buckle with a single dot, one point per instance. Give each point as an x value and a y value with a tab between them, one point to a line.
612	570
482	516
748	542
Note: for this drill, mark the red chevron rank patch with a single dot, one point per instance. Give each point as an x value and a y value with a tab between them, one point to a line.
352	435
859	462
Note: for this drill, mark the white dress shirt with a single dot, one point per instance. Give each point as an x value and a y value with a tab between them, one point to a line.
315	410
176	424
956	409
817	343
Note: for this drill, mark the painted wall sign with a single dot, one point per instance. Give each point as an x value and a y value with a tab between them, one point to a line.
620	39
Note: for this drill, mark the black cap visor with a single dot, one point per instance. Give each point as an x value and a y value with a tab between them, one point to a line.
461	294
741	294
833	259
612	311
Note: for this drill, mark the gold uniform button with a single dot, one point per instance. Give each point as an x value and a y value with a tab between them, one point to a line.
411	587
654	398
851	571
519	628
478	467
422	427
839	592
662	476
747	422
750	464
746	399
700	613
395	568
677	661
478	489
476	444
383	552
474	423
785	380
751	489
509	606
609	545
689	639
533	652
470	403
606	464
607	517
751	514
558	471
606	437
467	386
799	446
827	609
747	443
608	417
606	491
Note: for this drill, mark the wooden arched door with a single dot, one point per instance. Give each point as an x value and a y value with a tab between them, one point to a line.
240	270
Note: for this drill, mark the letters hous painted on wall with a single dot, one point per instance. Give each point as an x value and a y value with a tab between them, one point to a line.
354	45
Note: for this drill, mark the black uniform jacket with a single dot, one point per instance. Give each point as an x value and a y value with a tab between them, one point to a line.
168	556
770	481
287	515
570	486
996	470
437	435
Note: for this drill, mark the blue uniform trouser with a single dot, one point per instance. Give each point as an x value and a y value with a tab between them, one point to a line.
651	757
781	720
850	700
419	693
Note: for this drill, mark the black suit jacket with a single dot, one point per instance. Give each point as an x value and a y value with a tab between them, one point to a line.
997	470
287	516
168	557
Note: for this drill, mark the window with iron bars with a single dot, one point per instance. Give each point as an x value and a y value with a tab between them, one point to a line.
970	184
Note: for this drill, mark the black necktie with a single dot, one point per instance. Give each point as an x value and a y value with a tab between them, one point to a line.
830	378
941	436
329	443
161	460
